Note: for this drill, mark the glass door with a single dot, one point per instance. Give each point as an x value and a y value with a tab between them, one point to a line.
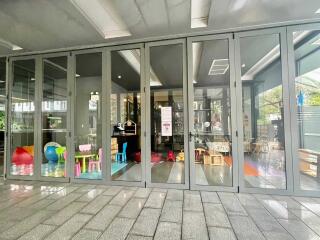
304	72
22	119
54	117
3	112
166	117
212	135
125	124
263	110
87	150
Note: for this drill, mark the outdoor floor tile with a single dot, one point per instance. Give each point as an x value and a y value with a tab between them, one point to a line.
215	215
194	226
192	201
85	234
95	206
245	228
210	197
142	192
231	203
172	211
298	229
155	200
39	232
217	233
168	231
132	208
118	229
174	194
147	222
122	197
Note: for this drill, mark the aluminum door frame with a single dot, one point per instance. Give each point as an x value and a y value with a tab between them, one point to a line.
73	92
10	78
108	87
293	110
232	99
286	106
149	183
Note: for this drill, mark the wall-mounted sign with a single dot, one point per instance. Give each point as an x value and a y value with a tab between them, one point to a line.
166	121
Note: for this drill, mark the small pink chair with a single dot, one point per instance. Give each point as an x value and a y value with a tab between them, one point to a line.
95	165
77	169
85	148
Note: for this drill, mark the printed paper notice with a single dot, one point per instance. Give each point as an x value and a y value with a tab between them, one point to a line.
166	121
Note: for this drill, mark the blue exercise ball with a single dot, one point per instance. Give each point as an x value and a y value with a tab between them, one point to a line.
51	155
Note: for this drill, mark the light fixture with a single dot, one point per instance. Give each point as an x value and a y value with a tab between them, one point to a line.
196	56
9	45
318	11
58	66
119	76
103	16
243	65
32	79
219	67
200	13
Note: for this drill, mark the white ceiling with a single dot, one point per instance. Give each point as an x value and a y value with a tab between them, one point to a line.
37	25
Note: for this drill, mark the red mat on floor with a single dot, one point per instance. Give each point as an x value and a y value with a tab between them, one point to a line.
248	169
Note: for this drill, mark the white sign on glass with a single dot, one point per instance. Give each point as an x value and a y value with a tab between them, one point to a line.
166	121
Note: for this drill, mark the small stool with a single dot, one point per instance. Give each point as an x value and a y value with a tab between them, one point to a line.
77	169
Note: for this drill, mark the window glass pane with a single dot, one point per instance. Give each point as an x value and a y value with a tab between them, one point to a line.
125	115
212	113
88	146
263	120
167	114
307	86
22	118
2	111
54	117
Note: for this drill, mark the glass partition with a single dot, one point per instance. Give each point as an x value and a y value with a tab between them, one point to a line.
125	115
2	111
22	118
307	92
88	144
263	113
167	113
213	159
54	117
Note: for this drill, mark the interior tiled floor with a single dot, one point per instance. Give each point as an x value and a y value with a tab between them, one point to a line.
39	210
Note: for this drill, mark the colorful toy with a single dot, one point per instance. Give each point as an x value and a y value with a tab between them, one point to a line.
180	156
171	156
51	154
22	156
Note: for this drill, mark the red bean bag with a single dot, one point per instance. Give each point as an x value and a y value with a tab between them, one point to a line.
21	156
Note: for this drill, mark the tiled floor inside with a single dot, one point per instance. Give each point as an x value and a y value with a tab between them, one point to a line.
39	210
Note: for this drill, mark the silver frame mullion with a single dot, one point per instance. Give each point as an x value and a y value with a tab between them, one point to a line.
108	111
186	184
293	107
285	95
73	94
9	143
232	100
6	134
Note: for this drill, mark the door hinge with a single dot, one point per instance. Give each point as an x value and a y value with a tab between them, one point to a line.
235	83
238	189
144	89
237	133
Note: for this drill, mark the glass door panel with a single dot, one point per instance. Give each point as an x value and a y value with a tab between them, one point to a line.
2	112
125	109
167	153
87	116
307	103
211	114
54	117
22	118
264	150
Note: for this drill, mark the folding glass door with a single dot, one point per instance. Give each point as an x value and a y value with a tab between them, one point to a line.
54	135
212	124
125	113
87	153
3	112
167	163
22	119
304	80
263	112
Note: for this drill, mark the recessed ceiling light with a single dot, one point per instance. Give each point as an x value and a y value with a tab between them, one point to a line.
103	16
32	79
219	67
119	76
318	11
9	45
200	13
243	65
